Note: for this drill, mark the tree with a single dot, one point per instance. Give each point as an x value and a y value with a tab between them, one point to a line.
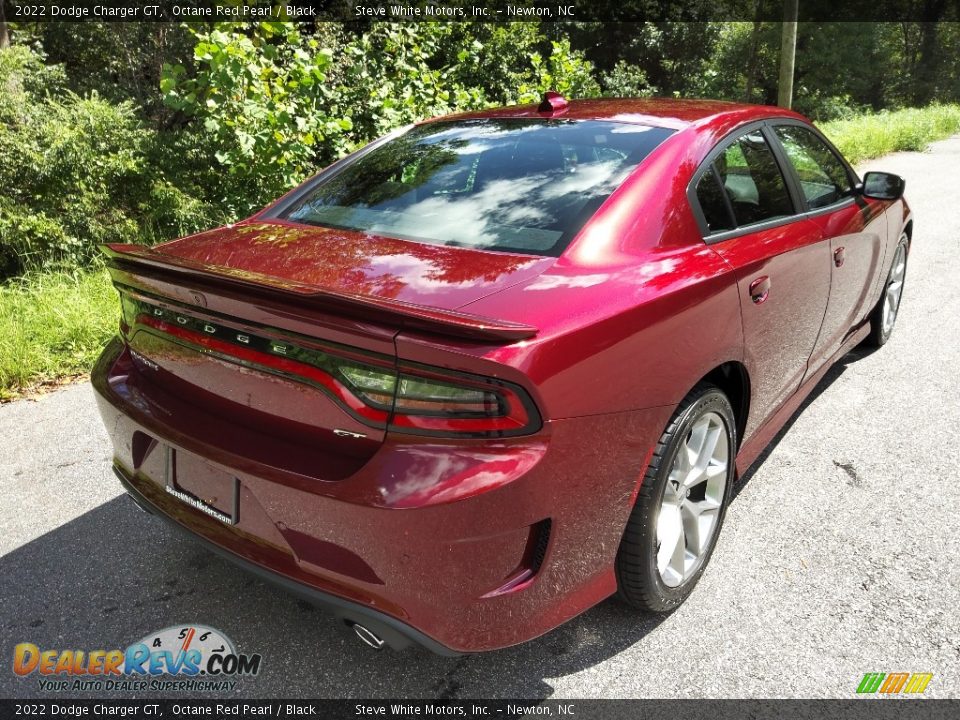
752	64
4	33
930	58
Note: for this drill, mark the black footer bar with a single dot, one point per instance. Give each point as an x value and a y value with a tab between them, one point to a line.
894	708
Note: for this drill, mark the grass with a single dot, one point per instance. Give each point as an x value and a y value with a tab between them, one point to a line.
52	327
869	136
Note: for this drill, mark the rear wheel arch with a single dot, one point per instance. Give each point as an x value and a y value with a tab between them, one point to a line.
733	379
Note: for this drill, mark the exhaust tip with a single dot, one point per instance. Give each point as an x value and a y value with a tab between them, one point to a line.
137	505
368	637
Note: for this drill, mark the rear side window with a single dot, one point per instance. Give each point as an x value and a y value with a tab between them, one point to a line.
716	210
494	184
823	177
752	180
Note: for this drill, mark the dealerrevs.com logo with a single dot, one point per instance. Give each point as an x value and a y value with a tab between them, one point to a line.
180	657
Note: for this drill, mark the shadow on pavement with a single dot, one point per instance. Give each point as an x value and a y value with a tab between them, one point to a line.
838	369
114	574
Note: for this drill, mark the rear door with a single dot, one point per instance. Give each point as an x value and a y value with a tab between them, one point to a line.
855	228
749	214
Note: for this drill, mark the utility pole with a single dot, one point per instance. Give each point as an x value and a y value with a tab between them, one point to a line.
788	53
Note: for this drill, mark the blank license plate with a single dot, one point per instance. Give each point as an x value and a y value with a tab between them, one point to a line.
202	486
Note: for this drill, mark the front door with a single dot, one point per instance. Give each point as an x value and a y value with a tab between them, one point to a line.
854	226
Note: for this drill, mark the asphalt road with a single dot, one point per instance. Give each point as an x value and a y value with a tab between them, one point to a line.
839	555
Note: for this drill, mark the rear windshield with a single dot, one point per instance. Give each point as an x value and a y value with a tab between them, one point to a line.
497	184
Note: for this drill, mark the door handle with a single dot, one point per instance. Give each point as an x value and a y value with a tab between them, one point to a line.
760	289
839	255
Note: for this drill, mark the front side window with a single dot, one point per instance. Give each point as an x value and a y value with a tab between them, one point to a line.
752	180
823	177
493	184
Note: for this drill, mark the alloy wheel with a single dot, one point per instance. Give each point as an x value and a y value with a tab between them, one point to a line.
894	291
692	498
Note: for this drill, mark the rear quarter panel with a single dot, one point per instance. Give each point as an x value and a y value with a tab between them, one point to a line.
634	313
621	339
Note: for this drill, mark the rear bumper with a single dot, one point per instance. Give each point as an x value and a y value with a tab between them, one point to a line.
457	546
398	635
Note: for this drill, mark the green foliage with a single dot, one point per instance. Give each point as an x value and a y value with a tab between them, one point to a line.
493	56
275	106
870	136
69	167
745	63
822	107
626	80
265	105
823	92
118	61
80	171
675	57
24	72
388	79
565	70
53	325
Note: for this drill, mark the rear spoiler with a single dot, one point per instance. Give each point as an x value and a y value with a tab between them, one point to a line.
134	258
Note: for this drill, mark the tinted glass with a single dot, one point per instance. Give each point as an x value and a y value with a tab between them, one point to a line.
823	178
520	185
713	204
753	181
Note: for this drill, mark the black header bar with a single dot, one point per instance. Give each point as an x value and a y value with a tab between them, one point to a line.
205	11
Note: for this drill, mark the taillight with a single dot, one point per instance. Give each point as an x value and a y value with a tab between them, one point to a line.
374	386
429	401
409	398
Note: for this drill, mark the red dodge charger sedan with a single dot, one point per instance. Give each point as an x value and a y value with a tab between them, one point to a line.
493	368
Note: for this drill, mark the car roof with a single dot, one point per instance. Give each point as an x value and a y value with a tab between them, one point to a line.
671	113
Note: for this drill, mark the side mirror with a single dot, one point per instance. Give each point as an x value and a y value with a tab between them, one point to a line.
883	186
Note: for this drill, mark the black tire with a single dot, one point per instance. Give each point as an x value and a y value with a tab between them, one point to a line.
638	579
878	333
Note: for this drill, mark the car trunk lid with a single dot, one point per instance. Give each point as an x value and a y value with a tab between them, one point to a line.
360	264
248	326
